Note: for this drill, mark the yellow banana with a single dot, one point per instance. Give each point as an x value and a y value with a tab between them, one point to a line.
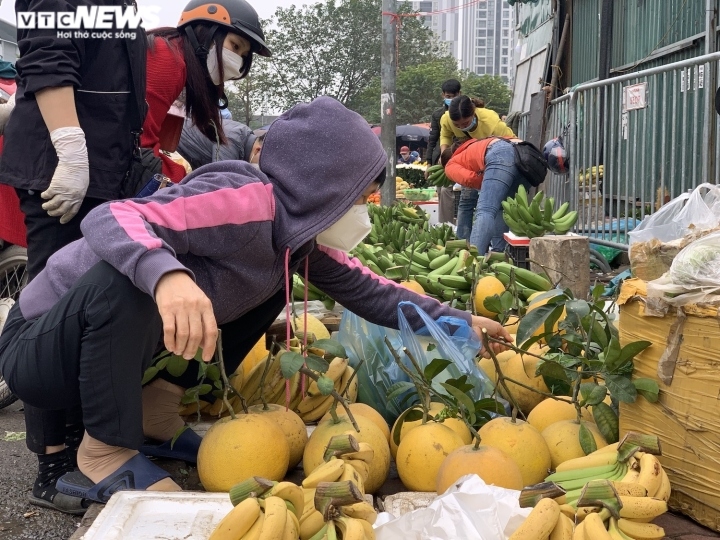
589	461
335	372
665	488
317	408
310	526
309	507
584	511
352	392
365	453
309	403
650	474
329	471
368	528
350	528
631	477
292	527
275	519
641	531
540	523
361	467
361	510
291	493
609	448
641	507
255	530
595	528
615	533
633	489
568	511
238	521
352	475
579	532
563	528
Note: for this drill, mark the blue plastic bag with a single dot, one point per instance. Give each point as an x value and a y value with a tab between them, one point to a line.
453	338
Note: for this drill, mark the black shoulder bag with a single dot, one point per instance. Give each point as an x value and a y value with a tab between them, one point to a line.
530	162
144	163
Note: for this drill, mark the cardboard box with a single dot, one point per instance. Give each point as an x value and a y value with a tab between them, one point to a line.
685	361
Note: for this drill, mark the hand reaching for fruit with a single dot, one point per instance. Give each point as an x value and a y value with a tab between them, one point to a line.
494	330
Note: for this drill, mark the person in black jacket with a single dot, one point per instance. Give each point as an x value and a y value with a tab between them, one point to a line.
79	109
446	198
199	150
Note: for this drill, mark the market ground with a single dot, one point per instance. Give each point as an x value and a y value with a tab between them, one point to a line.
22	521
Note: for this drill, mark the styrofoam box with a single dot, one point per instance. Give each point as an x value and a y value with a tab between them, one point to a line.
150	515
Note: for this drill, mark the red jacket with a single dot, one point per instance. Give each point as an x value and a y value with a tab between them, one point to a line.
166	75
467	165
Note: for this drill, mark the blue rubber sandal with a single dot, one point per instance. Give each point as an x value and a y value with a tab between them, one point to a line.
185	447
137	473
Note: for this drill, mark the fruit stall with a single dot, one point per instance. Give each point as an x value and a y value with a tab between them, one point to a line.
589	426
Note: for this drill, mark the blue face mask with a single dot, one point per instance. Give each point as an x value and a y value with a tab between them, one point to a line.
447	101
471	126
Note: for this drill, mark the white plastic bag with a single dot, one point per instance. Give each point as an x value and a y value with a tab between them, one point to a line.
694	276
698	210
468	509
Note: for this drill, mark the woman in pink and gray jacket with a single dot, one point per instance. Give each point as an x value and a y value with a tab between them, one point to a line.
216	251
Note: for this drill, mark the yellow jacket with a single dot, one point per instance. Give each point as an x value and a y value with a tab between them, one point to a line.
488	123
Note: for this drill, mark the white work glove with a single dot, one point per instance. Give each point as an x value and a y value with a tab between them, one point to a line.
5	110
71	178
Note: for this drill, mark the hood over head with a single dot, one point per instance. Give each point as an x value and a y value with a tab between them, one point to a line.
315	183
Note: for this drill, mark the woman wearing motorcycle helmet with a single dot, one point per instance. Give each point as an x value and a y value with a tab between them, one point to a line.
214	42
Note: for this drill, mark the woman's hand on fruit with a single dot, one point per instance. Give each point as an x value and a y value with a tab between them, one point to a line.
187	316
494	330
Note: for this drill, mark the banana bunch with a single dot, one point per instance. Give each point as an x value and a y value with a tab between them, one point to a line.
528	282
591	174
396	226
633	490
537	217
298	289
436	176
263	510
346	469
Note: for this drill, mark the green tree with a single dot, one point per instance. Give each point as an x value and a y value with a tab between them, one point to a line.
492	89
417	92
333	48
246	97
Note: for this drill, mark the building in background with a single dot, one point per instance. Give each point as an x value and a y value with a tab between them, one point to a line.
444	24
8	42
488	43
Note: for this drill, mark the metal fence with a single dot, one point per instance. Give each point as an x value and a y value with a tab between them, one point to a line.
635	142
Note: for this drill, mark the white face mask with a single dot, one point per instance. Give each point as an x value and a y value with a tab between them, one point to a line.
349	231
232	64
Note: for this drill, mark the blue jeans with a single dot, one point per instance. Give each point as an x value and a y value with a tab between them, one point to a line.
500	181
466	210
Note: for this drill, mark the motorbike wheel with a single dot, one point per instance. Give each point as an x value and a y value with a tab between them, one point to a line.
13	277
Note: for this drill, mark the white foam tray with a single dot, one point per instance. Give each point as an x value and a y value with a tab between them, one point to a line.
148	515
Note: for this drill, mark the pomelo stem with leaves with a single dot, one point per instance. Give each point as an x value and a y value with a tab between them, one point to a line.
314	376
226	382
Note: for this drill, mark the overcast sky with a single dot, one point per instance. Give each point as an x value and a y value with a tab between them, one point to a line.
167	12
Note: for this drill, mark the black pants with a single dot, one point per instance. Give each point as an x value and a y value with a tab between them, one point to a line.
45	236
92	348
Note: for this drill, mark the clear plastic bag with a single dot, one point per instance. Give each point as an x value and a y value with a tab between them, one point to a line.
694	276
453	338
699	209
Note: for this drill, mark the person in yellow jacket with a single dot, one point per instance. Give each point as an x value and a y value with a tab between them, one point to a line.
467	118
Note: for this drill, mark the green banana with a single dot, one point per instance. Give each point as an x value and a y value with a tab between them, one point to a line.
548	210
521	197
454	282
446	268
439	261
588	473
561	211
420	258
527	278
535	212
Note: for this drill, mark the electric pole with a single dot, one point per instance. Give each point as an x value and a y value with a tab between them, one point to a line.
388	70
